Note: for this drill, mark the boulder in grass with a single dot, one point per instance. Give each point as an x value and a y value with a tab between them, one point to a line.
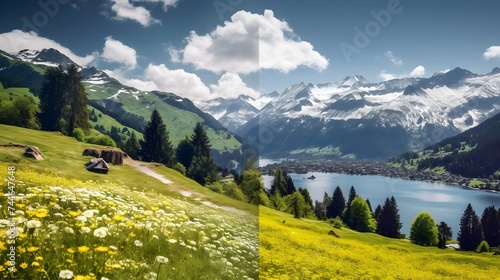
33	152
91	152
113	156
98	165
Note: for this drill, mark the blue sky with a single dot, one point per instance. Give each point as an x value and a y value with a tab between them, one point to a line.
210	48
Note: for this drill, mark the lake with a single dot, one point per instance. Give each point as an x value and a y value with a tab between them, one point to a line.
444	202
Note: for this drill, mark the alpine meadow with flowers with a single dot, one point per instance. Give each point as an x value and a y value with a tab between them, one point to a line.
82	225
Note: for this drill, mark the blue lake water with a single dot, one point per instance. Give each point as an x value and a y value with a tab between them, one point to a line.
444	202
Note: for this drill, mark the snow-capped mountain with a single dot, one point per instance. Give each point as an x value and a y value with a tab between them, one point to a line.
362	119
232	113
49	57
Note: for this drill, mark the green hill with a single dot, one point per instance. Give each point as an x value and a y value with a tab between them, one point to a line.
120	225
131	108
474	153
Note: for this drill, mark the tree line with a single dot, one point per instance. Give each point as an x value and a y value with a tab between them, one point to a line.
475	233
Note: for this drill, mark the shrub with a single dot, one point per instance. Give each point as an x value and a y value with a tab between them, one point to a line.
103	140
179	167
215	187
233	191
423	230
78	134
336	222
483	247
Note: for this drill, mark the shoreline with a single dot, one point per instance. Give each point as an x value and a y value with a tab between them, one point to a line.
377	168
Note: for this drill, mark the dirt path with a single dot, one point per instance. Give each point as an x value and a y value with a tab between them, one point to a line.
144	168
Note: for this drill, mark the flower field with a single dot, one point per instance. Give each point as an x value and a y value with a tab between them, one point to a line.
302	249
69	229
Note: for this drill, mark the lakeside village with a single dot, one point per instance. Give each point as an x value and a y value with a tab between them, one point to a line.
379	168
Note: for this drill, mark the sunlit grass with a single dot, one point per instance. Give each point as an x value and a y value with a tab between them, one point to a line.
302	249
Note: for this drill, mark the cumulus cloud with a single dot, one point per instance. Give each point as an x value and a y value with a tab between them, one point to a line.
387	76
230	85
116	51
394	59
249	42
17	40
136	83
419	71
492	52
177	81
166	3
124	10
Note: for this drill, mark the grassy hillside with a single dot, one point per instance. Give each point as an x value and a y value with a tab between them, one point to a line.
474	153
302	249
151	230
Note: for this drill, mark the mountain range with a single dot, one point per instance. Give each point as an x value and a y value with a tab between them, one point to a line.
121	105
354	118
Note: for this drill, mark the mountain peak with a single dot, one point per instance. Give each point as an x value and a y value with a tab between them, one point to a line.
495	70
353	80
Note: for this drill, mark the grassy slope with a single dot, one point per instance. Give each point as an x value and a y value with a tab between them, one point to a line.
302	249
184	121
5	93
62	155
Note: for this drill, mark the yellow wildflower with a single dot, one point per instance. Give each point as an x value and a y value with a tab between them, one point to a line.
24	265
130	223
20	205
2	268
31	213
22	235
101	249
116	265
165	203
118	218
33	249
154	208
132	234
71	250
41	213
83	249
35	264
2	246
21	249
75	213
39	258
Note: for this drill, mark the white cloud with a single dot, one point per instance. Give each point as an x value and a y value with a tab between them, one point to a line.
126	11
387	76
166	3
395	60
419	71
249	42
17	40
492	52
177	81
136	83
230	85
116	51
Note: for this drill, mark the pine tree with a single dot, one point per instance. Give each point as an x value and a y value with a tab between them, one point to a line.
253	186
389	224
185	152
132	146
279	183
290	186
75	111
156	145
51	98
307	198
296	205
444	234
471	232
490	221
337	205
347	212
202	167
